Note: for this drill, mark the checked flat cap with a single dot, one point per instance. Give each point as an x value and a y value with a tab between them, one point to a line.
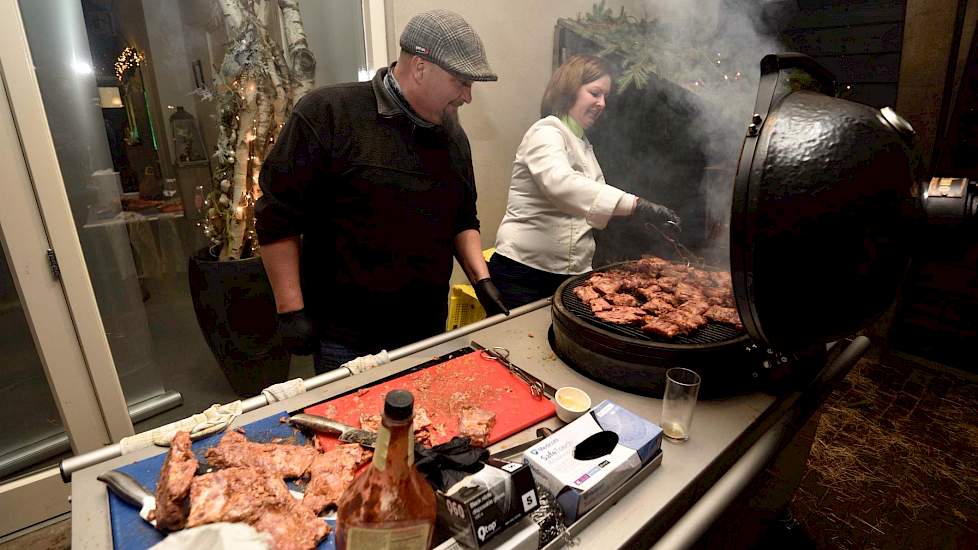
447	40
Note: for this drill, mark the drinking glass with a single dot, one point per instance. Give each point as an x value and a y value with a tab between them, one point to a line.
678	402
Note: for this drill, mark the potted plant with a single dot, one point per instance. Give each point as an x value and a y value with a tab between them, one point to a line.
255	89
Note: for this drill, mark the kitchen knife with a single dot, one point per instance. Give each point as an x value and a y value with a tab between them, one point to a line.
128	489
347	434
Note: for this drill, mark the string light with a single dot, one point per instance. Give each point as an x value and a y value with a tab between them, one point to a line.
128	59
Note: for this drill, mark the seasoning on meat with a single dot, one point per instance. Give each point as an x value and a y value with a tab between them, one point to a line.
331	473
622	300
599	304
687	322
261	500
727	315
476	424
422	427
660	327
586	293
622	315
178	471
282	460
657	306
605	285
697	307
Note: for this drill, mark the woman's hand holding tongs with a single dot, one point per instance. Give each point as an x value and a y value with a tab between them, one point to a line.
657	215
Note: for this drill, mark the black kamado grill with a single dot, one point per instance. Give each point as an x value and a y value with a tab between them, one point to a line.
821	216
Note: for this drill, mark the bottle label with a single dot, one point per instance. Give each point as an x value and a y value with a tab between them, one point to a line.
380	448
415	537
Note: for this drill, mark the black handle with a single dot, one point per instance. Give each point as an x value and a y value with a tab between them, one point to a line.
776	62
125	487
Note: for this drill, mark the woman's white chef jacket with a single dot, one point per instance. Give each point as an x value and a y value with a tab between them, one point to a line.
557	194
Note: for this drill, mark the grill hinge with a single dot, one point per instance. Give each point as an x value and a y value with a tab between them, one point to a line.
53	264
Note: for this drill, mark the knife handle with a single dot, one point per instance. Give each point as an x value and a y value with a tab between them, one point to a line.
125	487
319	423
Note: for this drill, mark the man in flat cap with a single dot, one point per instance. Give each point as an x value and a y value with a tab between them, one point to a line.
369	193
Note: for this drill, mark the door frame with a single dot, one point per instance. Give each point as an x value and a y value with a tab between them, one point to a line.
62	313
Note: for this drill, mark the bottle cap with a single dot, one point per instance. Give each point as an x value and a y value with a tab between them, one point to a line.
399	405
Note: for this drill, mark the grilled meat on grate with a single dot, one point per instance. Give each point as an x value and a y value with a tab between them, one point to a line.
665	299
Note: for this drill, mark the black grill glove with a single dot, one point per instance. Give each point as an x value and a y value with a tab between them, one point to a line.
298	333
490	298
656	214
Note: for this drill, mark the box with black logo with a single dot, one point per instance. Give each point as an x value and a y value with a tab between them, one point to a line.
483	504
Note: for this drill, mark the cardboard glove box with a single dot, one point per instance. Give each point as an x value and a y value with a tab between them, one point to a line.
579	484
483	504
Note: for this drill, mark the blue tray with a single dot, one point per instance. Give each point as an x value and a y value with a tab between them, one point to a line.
131	532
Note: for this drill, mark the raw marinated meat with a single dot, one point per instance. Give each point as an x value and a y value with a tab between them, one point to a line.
370	422
178	471
476	424
331	473
286	461
261	500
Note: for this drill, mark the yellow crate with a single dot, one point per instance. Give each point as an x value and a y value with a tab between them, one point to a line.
463	305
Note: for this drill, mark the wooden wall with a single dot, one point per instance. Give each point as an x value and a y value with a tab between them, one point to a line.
860	41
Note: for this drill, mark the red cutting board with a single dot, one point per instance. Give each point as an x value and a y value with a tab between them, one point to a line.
471	378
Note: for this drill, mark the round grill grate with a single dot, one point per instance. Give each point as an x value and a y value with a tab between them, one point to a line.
711	333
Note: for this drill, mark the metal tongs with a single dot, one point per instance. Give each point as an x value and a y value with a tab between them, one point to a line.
538	388
671	235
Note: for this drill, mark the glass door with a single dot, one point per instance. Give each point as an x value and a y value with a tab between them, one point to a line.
50	398
110	117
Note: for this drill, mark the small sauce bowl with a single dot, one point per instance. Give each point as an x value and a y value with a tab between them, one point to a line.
571	403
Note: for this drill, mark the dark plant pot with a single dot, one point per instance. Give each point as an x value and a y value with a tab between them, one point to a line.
235	309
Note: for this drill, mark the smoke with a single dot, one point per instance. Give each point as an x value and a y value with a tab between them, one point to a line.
707	55
727	39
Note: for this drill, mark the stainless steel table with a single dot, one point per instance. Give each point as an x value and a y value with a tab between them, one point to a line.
734	436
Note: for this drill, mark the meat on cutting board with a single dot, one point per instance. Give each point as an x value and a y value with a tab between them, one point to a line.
282	460
331	473
178	471
476	424
261	500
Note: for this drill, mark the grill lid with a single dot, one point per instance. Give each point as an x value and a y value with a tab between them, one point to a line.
820	209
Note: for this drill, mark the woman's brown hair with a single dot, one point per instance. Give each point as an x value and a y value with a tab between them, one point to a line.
567	79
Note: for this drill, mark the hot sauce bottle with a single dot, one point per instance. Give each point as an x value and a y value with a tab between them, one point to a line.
390	505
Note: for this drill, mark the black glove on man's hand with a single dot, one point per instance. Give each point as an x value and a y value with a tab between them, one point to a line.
653	213
298	333
490	298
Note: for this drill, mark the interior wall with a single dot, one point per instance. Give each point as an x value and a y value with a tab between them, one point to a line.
927	36
334	30
521	53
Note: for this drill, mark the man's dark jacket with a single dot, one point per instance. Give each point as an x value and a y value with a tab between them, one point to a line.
378	202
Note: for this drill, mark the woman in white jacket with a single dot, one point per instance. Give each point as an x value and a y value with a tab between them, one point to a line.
557	193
